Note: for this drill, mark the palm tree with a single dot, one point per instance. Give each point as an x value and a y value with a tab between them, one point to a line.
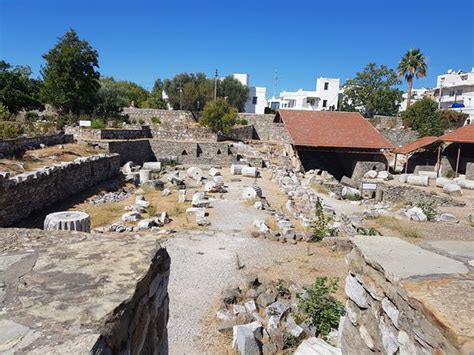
412	64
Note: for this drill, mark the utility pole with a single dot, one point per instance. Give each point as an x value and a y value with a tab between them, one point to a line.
180	98
215	87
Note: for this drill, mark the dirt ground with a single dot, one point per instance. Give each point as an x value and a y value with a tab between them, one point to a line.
38	158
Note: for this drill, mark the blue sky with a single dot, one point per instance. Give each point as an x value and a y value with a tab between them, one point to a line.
302	39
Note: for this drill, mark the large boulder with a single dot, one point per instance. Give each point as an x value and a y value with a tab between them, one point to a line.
245	340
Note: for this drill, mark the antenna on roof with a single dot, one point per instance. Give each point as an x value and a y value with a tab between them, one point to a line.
275	82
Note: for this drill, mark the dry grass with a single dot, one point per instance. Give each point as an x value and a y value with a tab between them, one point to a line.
105	213
272	224
397	226
320	188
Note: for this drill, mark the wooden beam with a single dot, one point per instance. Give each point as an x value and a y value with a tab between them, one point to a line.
457	160
395	164
438	161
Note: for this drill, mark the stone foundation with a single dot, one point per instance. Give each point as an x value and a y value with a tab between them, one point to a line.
77	293
404	299
9	147
25	194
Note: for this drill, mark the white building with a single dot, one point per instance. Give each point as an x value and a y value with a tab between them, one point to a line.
324	98
416	95
257	100
455	90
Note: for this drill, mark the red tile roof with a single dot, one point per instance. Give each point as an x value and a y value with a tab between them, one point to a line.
331	129
415	145
461	135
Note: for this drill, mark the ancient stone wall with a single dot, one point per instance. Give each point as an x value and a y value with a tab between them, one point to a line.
140	325
399	136
134	132
9	147
138	151
27	193
265	128
383	122
194	153
470	171
240	133
166	117
403	299
412	195
183	133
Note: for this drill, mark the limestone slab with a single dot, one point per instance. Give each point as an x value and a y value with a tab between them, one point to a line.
401	260
457	249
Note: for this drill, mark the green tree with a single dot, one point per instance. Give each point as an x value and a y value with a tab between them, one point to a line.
189	91
71	80
110	101
134	92
413	64
219	116
155	100
372	92
424	118
234	92
17	90
452	119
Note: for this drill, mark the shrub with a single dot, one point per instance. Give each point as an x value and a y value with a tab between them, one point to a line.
4	113
31	116
243	122
424	118
452	119
151	211
155	120
141	121
428	209
319	306
451	174
282	288
320	226
219	116
97	124
10	130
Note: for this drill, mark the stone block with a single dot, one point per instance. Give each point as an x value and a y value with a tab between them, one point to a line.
418	180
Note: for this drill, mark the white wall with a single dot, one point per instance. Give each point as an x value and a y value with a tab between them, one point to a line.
257	100
327	90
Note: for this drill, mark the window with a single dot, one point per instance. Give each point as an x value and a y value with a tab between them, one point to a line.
459	92
310	101
451	93
326	85
254	100
463	77
325	103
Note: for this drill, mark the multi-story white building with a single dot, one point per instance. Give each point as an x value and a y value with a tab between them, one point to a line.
257	100
325	97
416	95
455	90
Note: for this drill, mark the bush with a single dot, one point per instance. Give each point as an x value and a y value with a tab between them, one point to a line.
97	124
4	113
155	120
451	174
243	122
219	116
428	209
452	119
319	306
424	118
9	130
31	116
320	226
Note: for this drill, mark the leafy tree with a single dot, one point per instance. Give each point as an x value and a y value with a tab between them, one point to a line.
424	118
412	64
17	90
155	99
372	92
219	116
190	91
132	91
452	119
110	101
71	80
234	92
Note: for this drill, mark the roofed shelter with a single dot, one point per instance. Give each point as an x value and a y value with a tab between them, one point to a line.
333	141
421	149
460	150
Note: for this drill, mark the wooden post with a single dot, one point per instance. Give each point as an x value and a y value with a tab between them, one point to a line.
438	161
406	164
457	160
395	164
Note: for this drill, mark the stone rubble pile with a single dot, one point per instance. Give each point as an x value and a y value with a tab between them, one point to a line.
109	197
263	318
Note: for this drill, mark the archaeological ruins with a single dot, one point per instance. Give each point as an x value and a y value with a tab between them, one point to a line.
157	238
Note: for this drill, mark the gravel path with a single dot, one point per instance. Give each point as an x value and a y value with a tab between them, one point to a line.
203	264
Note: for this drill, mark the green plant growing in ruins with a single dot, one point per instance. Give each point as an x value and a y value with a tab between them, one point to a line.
155	120
428	209
97	124
319	306
291	342
320	225
282	288
151	210
451	174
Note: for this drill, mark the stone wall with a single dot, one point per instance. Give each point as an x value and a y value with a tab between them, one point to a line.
134	132
470	171
140	324
9	147
399	136
265	128
240	133
413	196
193	132
25	194
138	151
194	153
384	122
82	293
403	299
166	117
361	167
